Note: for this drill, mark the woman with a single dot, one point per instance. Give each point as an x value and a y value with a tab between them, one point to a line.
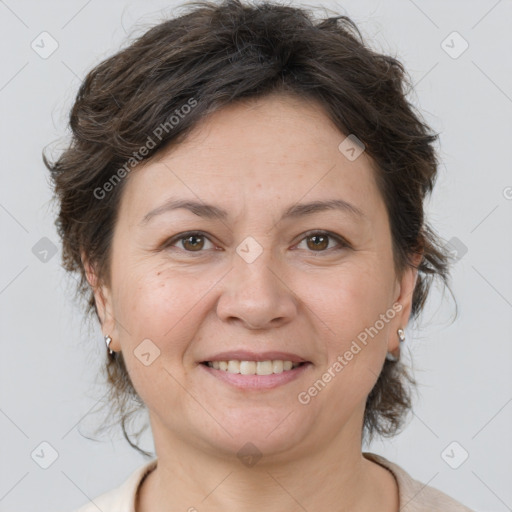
243	200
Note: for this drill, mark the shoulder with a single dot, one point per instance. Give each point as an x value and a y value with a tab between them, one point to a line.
416	496
122	498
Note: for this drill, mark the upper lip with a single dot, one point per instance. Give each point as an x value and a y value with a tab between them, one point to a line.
246	355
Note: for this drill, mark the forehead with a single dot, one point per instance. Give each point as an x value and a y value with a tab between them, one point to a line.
259	153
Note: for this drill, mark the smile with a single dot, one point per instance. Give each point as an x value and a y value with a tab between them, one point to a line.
253	367
255	375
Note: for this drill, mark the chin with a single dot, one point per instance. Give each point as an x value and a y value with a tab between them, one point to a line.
263	432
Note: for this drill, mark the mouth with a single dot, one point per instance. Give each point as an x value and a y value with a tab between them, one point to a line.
241	367
255	375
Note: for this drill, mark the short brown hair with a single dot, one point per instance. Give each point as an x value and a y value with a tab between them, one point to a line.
216	54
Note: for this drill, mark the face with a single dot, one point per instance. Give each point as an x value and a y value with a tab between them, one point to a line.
260	274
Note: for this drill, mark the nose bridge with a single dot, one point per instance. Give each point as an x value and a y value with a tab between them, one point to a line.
255	292
253	262
254	259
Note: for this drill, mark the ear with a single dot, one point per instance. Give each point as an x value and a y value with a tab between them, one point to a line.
406	287
103	301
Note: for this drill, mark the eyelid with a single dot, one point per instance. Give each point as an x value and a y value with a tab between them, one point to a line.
342	242
181	236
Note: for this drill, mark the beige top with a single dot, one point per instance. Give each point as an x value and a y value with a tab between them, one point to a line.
414	496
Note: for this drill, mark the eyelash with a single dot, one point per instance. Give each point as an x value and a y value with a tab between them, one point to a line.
343	244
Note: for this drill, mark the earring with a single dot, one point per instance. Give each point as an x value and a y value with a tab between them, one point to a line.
389	355
108	339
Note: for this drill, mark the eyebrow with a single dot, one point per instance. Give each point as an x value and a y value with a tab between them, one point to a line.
210	211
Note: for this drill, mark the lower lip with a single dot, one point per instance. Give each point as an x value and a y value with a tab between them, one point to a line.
257	382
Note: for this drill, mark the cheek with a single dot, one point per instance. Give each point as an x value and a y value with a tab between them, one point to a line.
354	297
160	305
355	340
149	306
155	333
357	312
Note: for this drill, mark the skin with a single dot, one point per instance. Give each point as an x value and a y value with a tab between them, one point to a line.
254	159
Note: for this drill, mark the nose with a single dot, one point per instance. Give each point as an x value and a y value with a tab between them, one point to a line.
258	294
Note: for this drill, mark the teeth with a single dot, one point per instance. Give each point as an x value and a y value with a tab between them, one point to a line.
253	367
277	366
264	368
248	367
233	366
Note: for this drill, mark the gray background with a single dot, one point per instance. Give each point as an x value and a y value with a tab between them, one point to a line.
50	381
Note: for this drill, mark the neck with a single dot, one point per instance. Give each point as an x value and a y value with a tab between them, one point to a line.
334	476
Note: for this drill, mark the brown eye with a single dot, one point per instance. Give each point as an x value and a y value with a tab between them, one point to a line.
318	241
193	242
189	242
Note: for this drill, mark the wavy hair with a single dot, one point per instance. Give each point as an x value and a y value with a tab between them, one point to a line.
219	53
